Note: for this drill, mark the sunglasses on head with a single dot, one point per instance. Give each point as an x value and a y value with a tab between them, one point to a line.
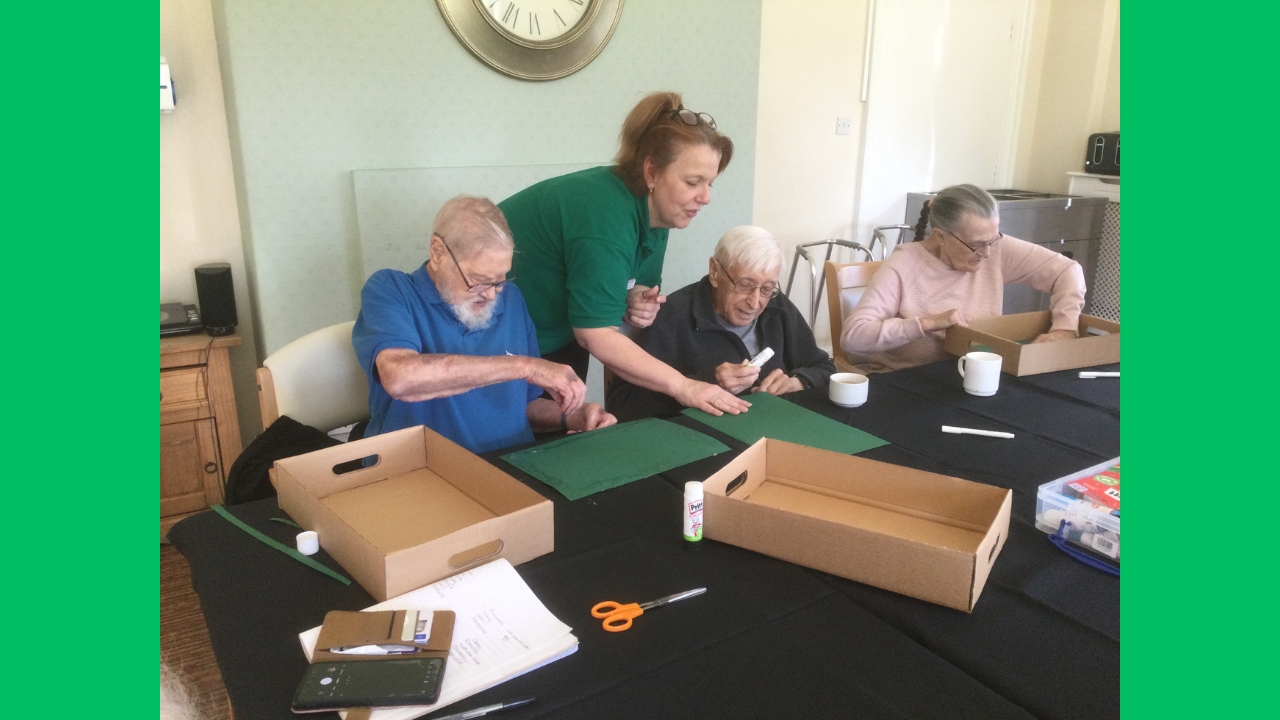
689	117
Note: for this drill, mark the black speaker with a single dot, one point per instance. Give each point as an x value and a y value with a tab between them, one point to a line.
1102	156
217	298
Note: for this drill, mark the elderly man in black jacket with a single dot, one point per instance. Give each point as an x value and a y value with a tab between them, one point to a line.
710	329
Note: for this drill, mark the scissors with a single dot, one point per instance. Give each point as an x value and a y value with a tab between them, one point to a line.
617	617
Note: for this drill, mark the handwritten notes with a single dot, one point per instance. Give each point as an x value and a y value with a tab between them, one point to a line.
502	630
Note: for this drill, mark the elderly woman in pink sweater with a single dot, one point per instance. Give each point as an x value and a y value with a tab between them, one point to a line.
956	273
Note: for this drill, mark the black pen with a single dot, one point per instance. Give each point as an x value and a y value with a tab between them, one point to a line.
486	710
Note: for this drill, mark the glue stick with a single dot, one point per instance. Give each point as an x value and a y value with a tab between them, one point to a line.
693	515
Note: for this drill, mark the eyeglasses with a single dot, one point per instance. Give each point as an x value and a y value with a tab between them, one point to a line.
689	117
745	287
975	248
476	288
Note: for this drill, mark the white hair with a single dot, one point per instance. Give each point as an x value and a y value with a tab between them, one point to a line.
467	314
751	248
470	225
947	209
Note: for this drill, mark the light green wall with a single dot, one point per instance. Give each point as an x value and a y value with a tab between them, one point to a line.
317	89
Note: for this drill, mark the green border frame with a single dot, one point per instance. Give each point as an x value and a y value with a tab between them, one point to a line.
81	245
1198	623
1197	607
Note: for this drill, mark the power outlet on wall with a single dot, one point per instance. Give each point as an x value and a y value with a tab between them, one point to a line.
843	124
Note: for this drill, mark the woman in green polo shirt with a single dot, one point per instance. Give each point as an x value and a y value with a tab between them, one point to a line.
590	245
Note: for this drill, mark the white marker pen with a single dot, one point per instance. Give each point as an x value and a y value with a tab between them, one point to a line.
971	431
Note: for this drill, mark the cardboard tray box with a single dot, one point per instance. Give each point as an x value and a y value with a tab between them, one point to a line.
426	509
1098	344
929	536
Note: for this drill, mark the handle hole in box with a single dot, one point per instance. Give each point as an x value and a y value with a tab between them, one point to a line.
994	545
735	484
351	466
473	556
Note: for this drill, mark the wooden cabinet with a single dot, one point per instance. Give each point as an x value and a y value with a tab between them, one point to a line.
189	478
199	430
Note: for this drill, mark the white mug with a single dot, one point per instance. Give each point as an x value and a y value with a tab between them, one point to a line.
981	373
848	389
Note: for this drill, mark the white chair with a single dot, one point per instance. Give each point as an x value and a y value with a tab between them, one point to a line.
845	284
315	380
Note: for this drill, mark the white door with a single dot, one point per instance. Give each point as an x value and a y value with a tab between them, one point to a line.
943	101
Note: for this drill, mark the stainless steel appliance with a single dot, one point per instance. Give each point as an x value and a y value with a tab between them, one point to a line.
1066	224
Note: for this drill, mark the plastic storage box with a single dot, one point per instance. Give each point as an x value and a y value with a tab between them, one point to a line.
1090	524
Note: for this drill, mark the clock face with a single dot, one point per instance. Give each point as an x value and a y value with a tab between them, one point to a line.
537	21
533	39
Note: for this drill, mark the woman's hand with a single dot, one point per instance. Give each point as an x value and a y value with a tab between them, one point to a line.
1055	335
942	321
779	383
736	377
589	417
711	399
643	304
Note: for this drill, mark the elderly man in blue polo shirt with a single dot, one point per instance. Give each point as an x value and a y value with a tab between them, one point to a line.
451	345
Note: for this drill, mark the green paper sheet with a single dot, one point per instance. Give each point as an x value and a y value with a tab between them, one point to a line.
586	463
773	417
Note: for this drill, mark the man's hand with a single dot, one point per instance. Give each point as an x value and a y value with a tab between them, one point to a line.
942	321
560	380
1055	335
589	417
642	306
709	398
736	377
778	383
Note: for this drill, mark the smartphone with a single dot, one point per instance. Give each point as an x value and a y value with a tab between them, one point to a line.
377	683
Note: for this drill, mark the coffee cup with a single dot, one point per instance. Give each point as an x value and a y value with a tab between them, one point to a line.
848	389
981	373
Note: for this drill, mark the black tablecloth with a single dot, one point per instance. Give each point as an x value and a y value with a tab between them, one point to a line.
768	639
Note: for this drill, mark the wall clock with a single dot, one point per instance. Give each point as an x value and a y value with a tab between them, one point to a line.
533	39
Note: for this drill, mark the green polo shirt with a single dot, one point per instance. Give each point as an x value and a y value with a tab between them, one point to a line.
580	240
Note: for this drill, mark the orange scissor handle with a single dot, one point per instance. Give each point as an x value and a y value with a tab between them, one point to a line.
617	617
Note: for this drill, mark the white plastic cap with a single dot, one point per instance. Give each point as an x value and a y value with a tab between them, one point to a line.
693	490
308	542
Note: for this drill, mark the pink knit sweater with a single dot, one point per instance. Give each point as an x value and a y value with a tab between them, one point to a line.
885	326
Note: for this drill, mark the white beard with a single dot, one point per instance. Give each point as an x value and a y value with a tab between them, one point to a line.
474	319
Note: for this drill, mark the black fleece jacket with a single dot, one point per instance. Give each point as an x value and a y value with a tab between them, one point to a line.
686	336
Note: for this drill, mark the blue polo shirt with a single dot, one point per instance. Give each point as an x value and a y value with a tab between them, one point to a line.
405	310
